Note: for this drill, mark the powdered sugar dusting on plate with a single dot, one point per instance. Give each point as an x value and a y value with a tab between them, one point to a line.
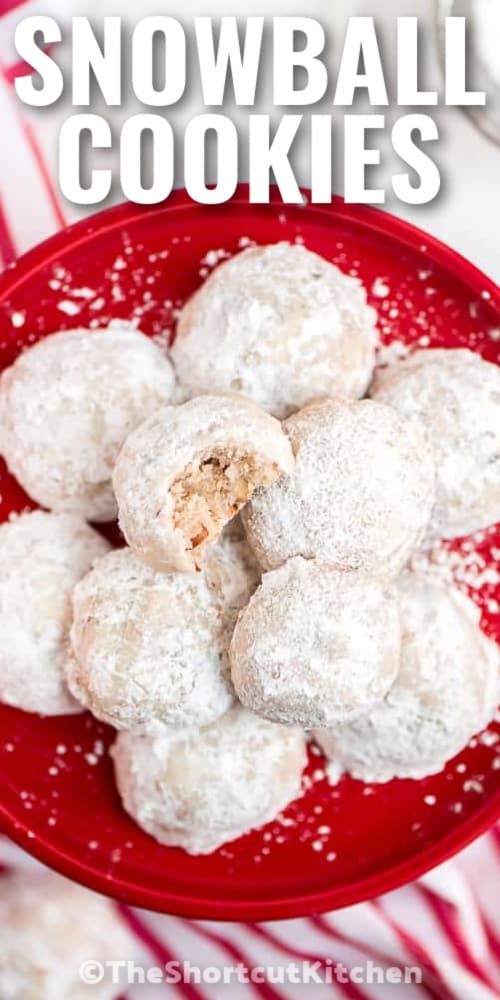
417	307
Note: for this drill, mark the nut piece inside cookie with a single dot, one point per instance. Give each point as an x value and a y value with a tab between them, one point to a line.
212	491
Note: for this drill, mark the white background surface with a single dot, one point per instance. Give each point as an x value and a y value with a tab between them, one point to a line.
466	213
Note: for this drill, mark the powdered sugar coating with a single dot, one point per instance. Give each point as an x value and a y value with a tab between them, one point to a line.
447	689
279	324
152	647
360	495
456	396
50	928
176	440
315	646
200	788
66	407
42	557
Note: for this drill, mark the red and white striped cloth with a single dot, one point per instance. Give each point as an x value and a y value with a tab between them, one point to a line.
447	923
25	178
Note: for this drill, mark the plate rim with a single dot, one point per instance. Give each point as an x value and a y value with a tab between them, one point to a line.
288	906
367	216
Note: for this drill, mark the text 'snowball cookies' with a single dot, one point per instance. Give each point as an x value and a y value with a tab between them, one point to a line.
152	647
52	931
315	646
456	396
187	470
66	407
279	324
42	557
360	495
200	788
447	689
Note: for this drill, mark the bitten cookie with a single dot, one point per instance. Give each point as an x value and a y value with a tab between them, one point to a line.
187	470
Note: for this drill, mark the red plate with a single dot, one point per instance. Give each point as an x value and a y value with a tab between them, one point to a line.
334	846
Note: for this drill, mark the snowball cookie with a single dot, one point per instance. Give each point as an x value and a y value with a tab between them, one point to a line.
360	496
66	407
456	395
315	646
200	788
152	647
447	690
280	325
187	470
42	556
49	928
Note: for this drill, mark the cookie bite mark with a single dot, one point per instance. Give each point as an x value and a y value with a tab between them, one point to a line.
189	469
212	491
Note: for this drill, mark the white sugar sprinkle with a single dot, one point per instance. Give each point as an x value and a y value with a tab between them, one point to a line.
380	288
70	308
